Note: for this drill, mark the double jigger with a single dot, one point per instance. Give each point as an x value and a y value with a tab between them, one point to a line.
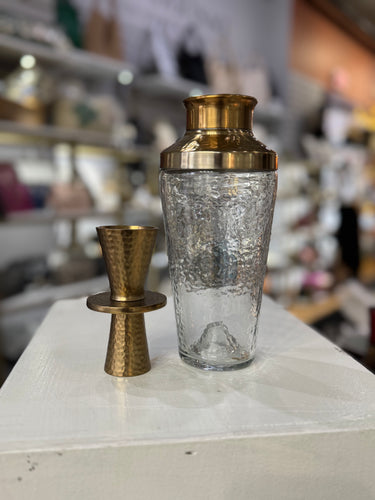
127	252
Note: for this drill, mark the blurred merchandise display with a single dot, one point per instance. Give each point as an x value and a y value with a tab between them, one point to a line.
322	219
365	118
76	108
337	110
302	251
34	31
252	79
102	34
14	112
222	75
191	61
29	86
14	196
164	134
73	196
162	56
68	19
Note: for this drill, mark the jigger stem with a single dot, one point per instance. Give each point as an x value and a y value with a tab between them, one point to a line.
127	353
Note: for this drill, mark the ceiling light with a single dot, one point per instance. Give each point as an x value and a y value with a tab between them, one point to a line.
125	77
27	61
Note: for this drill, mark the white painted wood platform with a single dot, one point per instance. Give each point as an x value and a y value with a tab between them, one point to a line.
299	423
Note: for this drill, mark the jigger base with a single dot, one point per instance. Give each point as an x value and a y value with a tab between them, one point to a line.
127	352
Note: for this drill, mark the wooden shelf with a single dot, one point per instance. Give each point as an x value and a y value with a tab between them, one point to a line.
175	88
312	312
47	216
58	134
178	88
81	62
53	134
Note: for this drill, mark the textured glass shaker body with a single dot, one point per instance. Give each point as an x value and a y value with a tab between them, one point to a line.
218	196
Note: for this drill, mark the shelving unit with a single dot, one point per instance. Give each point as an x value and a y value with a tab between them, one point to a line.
47	216
83	63
174	88
53	134
177	88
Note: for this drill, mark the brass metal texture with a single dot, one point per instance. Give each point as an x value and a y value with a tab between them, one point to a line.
219	137
102	302
127	252
127	352
220	111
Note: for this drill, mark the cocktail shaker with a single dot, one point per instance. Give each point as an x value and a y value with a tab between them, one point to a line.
218	187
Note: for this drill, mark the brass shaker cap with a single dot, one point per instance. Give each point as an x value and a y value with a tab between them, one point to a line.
219	137
220	111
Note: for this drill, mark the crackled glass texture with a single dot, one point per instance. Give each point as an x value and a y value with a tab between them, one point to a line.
218	227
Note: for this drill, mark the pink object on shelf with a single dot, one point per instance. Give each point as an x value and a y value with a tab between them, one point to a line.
14	196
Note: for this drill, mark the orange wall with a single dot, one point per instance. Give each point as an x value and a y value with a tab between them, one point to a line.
318	46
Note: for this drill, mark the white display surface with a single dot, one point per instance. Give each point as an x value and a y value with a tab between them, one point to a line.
299	423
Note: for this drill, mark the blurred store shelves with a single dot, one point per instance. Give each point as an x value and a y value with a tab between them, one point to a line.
87	146
81	62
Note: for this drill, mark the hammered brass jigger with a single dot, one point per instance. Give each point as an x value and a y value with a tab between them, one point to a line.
127	254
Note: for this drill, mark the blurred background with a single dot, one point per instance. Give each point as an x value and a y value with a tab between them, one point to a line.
91	91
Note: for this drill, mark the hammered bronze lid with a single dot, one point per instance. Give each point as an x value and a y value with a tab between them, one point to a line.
219	136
